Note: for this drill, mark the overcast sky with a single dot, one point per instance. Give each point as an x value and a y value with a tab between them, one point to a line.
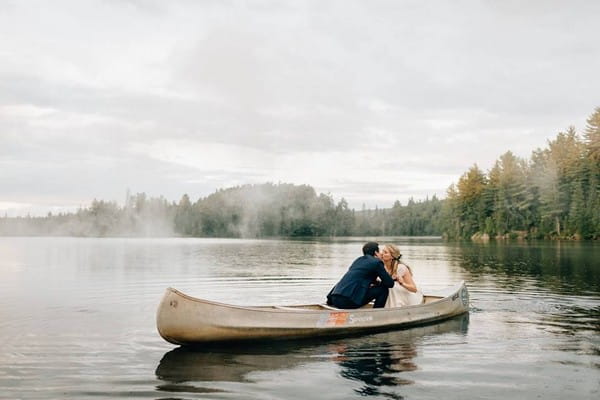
372	101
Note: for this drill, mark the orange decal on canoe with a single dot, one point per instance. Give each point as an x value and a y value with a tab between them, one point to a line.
337	318
333	319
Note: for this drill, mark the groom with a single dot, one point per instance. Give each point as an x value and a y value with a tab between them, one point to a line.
359	285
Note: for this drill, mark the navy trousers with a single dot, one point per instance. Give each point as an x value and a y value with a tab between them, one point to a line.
377	293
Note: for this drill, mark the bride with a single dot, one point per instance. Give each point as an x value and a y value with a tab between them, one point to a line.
405	293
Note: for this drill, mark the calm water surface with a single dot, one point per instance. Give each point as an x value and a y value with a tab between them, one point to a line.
77	321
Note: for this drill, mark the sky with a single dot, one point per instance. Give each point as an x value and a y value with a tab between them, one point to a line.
371	101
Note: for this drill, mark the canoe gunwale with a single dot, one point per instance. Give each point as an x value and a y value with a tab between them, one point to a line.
298	309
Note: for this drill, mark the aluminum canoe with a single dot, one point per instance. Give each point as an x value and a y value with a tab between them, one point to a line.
185	320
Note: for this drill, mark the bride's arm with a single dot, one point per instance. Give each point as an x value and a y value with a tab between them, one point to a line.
407	282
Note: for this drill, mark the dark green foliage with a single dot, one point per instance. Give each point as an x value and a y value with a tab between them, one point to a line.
266	210
555	194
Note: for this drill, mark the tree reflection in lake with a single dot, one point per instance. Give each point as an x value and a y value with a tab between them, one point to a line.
562	267
375	360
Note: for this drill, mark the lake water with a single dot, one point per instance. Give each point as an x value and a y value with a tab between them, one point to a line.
77	321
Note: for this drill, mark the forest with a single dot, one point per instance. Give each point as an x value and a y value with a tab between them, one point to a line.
248	211
555	194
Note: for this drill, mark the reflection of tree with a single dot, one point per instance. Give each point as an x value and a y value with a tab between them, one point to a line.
567	268
378	360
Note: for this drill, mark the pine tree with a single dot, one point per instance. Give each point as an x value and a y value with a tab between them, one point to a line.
471	186
592	136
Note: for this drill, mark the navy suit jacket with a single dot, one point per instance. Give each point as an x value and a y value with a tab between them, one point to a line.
363	272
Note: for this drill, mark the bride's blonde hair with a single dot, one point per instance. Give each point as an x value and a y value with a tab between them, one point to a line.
396	256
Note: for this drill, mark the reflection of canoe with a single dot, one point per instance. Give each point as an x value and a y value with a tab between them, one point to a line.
235	362
232	364
185	320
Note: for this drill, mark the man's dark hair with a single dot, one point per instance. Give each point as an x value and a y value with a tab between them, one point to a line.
370	248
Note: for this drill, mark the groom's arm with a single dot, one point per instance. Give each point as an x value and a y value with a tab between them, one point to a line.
386	279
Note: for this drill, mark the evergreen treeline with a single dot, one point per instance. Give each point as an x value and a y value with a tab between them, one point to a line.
555	194
267	210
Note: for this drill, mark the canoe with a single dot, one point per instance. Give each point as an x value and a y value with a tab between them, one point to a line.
185	320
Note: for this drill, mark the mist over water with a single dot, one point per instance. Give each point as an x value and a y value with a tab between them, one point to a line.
78	321
267	210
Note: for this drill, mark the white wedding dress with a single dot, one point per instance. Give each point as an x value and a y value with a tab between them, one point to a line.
400	296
